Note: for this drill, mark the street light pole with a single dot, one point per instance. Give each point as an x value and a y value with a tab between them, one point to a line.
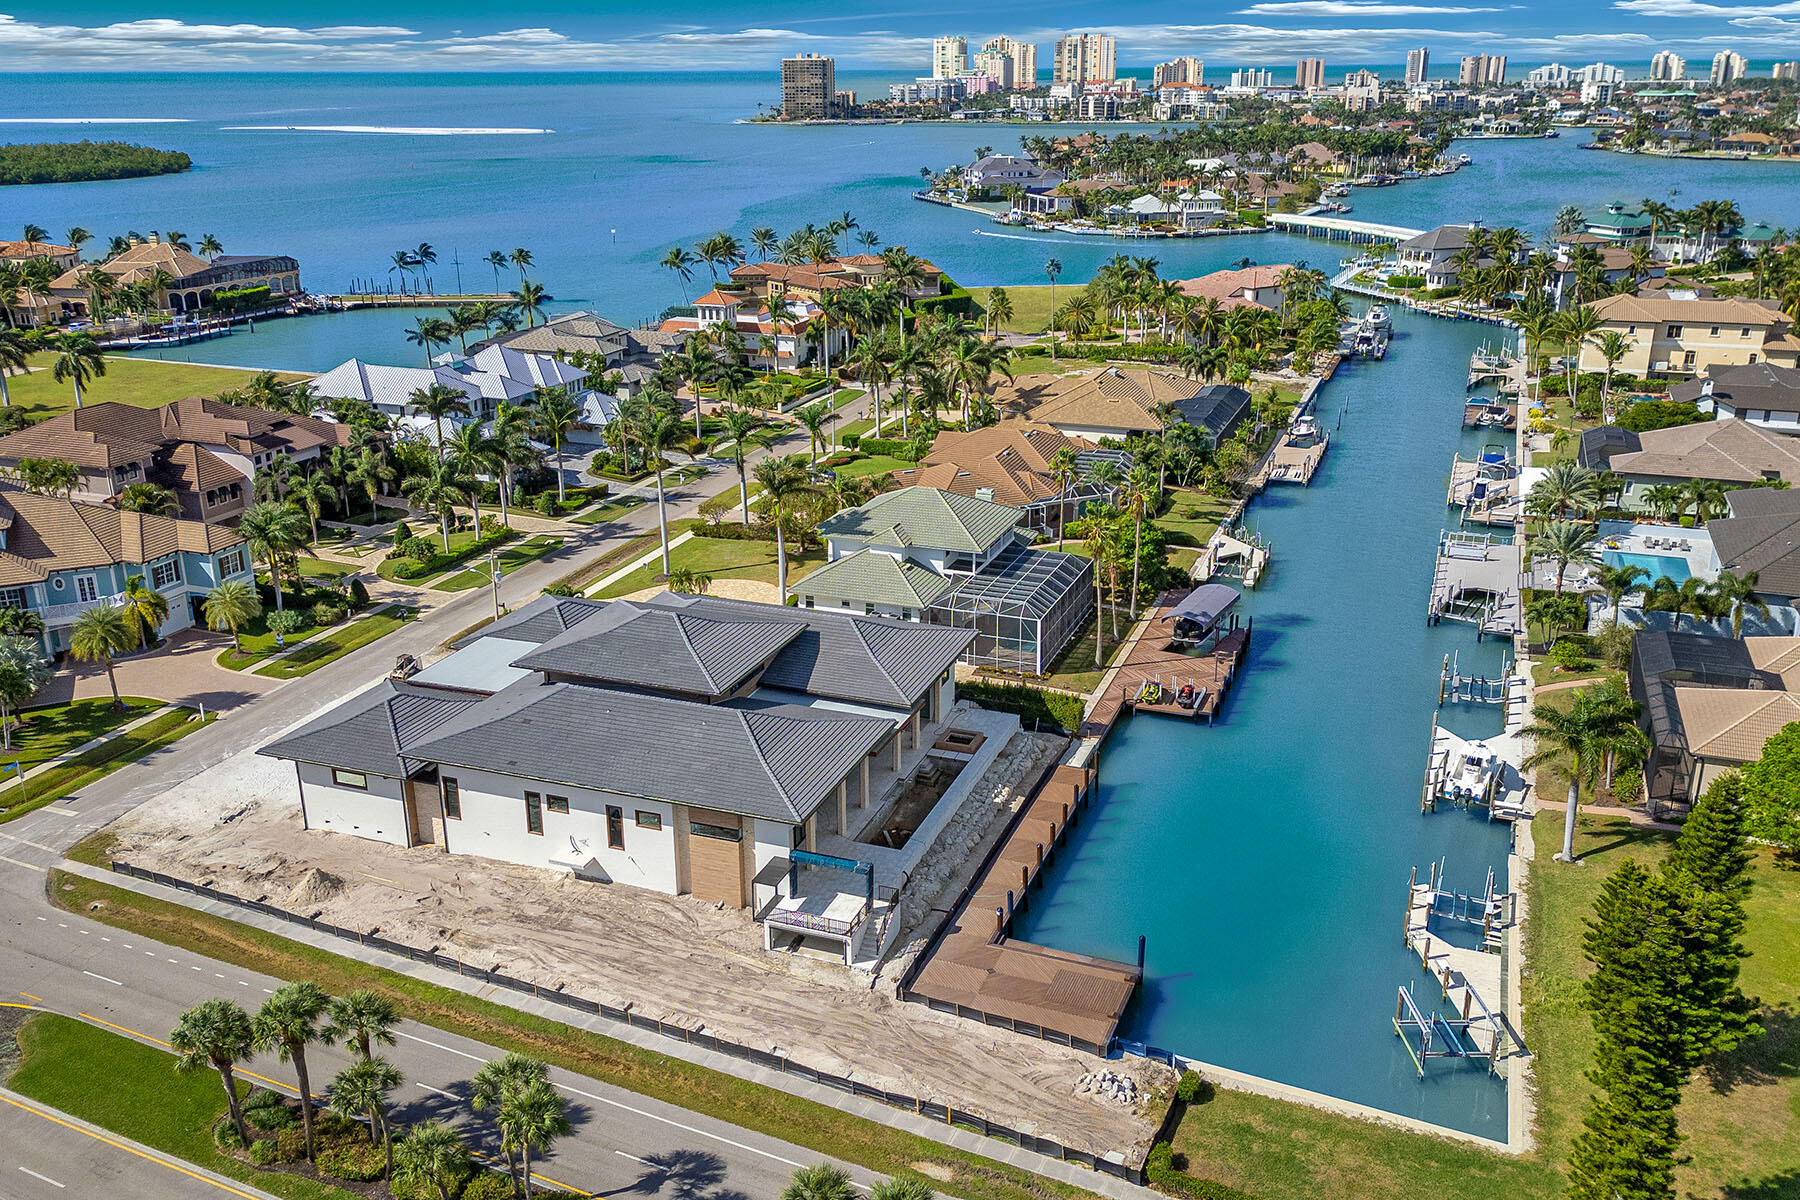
494	574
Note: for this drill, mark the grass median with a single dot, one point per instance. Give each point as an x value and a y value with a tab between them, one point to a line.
803	1122
323	651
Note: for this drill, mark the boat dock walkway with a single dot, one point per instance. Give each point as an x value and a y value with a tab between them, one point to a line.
1477	580
1247	559
1340	229
1467	977
1487	491
973	969
1507	798
1290	463
1159	676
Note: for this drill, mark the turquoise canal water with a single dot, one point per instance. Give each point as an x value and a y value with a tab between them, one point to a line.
1265	859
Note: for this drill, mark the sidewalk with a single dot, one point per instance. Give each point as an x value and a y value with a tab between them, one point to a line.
48	764
951	1135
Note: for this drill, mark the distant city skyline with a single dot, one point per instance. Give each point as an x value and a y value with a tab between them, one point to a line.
723	34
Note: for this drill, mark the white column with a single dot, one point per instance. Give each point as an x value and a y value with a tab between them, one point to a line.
862	795
896	750
843	799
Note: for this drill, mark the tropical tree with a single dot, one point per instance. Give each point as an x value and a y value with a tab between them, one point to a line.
1738	593
309	491
1565	489
1612	346
820	1182
745	431
368	471
1689	595
23	671
783	480
530	298
431	1157
1100	527
216	1033
362	1020
290	1020
361	1090
232	605
14	353
657	434
145	608
999	309
438	401
497	1085
1141	493
1572	739
554	415
531	1120
471	455
98	634
1575	327
1663	499
814	418
437	491
428	333
78	360
272	530
1565	542
148	498
681	263
521	258
1066	467
908	1187
509	444
764	241
1616	583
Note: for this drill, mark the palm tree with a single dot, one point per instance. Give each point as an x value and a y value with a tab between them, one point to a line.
148	498
1052	268
1576	326
536	1116
509	440
999	309
362	1020
14	353
1665	595
1620	582
530	299
78	360
436	491
310	491
764	241
145	608
1101	544
1663	499
1563	543
743	426
1065	467
272	529
368	472
556	414
1705	496
656	435
681	262
432	1157
471	454
289	1021
428	333
782	480
1613	346
907	1188
216	1033
438	401
498	1084
361	1090
1140	494
232	605
23	672
1565	489
813	418
1575	740
820	1182
97	635
210	247
521	258
1739	592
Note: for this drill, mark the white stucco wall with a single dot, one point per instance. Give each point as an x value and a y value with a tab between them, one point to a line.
378	814
493	826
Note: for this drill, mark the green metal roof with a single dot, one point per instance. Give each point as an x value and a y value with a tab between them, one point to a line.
871	577
926	517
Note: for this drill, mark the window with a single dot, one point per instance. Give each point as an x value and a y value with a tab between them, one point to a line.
799	836
452	798
534	813
350	779
701	829
12	598
85	589
1674	331
1744	332
809	599
231	563
868	610
648	820
557	804
165	573
1715	331
615	827
906	614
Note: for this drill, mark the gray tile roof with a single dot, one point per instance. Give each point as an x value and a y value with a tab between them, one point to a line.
539	621
1760	386
924	516
1767	543
1217	408
763	763
873	577
665	650
368	732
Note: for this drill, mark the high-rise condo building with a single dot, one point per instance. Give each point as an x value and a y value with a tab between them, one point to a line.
1184	70
1728	67
949	57
1418	65
1363	78
1482	70
1550	75
1310	74
808	86
1086	58
996	66
1252	77
1666	66
1022	55
1789	71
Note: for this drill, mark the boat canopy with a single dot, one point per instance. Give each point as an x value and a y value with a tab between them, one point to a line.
1200	611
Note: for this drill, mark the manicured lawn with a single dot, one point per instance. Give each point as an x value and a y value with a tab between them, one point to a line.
85	768
612	510
1738	1116
1030	304
1543	674
256	642
876	1146
145	382
1193	517
721	558
324	568
45	733
516	555
875	464
1074	669
134	1089
461	539
321	651
843	396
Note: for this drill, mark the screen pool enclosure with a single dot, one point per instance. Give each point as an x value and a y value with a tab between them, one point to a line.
1025	608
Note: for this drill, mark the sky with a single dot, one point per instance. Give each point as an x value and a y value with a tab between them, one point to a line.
463	35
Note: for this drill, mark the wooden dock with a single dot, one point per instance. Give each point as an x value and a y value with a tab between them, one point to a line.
973	969
1159	659
1289	463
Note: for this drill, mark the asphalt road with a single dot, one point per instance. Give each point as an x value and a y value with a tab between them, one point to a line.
622	1142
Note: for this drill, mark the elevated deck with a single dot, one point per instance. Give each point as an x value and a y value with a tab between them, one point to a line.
1476	579
973	969
1469	979
1159	659
1340	229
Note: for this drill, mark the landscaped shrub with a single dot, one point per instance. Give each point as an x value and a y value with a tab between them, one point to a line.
716	508
402	533
1443	293
357	1162
1193	1088
1645	415
486	1185
264	1109
359	595
1402	282
287	621
545	504
419	549
329	612
225	1136
490	523
1566	655
287	1145
892	447
1031	704
1613	645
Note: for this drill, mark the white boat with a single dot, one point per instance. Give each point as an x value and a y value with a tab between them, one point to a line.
1464	159
1471	774
1377	318
1304	426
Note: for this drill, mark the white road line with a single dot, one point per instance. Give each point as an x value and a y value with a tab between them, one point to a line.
193	968
439	1091
216	975
46	920
634	1158
61	812
114	982
28	866
13	837
45	1178
82	932
172	960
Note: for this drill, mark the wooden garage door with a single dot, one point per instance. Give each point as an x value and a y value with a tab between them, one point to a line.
716	857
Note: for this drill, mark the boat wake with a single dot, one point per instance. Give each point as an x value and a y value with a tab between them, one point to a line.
1022	237
416	130
93	120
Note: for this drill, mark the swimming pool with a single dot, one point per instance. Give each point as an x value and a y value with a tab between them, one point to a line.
1666	566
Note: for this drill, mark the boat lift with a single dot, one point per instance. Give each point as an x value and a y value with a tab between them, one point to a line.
1456	688
1473	1031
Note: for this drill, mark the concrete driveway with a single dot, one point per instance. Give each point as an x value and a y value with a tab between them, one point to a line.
182	671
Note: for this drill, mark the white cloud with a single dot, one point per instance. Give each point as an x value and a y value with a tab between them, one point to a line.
1698	8
1350	8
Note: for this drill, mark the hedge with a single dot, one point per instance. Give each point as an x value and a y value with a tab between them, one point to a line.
1406	281
1165	1176
892	447
954	299
1031	704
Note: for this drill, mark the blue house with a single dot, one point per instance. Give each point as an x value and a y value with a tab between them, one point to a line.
60	557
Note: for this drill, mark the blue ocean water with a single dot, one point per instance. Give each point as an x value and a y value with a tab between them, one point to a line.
1265	859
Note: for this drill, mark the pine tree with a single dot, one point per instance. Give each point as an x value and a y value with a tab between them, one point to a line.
1712	850
1712	861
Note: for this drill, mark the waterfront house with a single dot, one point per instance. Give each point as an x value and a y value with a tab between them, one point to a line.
998	172
588	338
1761	534
1430	254
683	744
21	253
926	554
1116	402
1619	224
190	284
1667	335
491	375
774	332
1259	287
1760	393
1011	463
1709	705
60	557
1615	264
205	451
1730	451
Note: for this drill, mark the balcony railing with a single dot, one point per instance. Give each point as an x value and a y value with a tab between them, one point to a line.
64	614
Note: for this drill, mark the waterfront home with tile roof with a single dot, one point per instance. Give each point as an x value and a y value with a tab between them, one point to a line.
684	744
1730	451
1010	463
490	376
1761	533
1116	402
774	332
205	451
192	281
1259	287
23	252
925	554
60	557
1671	336
631	354
1761	393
